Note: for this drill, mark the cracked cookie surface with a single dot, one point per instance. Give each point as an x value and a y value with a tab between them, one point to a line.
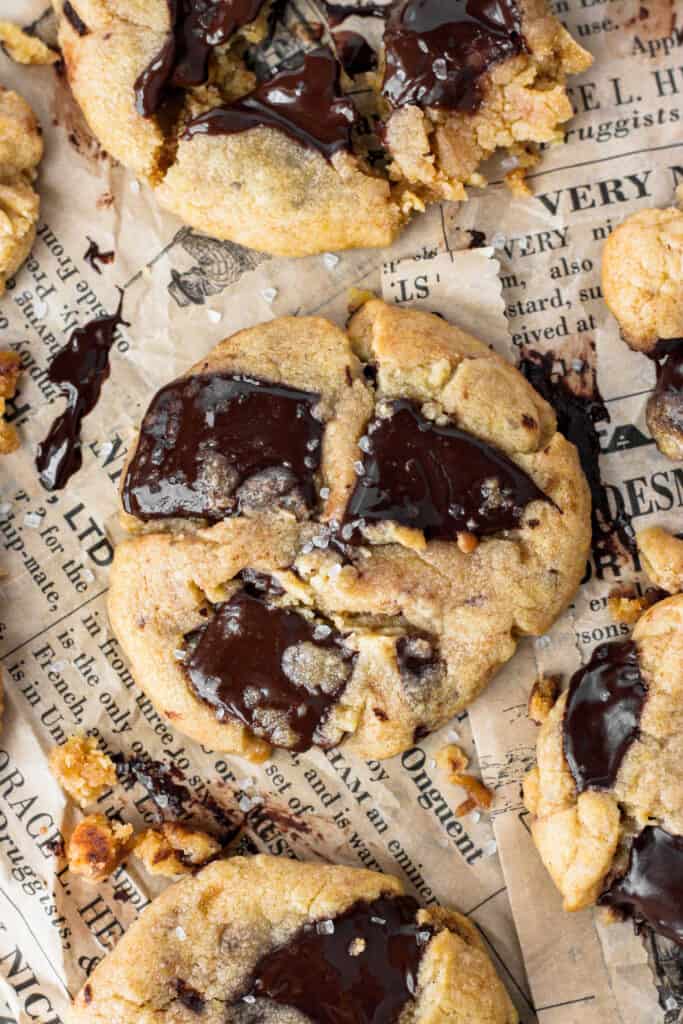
608	783
21	150
179	110
293	620
229	945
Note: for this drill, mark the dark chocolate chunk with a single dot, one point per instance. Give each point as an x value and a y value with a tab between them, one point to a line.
359	968
197	26
213	445
437	51
665	406
354	52
80	369
651	891
602	714
189	996
74	19
305	104
437	479
270	668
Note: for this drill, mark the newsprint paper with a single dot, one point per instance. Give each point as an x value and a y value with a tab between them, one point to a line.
531	286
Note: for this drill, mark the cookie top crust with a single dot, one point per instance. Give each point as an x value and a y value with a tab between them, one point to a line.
288	164
264	602
607	792
272	940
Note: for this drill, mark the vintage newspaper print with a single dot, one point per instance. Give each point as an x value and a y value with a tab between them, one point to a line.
533	288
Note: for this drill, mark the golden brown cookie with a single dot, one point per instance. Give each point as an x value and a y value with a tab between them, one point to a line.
642	281
288	166
313	487
21	149
607	792
271	940
661	554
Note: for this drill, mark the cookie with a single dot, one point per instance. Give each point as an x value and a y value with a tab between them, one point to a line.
343	533
607	792
271	940
642	282
21	150
661	554
288	165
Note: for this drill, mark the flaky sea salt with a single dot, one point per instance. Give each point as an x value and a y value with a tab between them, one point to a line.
324	493
378	920
32	520
179	655
5	509
181	933
135	186
331	260
214	315
269	294
542	641
249	999
325	927
453	736
498	240
490	848
245	803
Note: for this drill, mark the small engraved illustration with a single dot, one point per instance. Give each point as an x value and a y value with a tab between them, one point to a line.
217	266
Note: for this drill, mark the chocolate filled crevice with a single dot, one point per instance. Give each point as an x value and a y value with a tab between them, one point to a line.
220	444
276	669
435	478
360	967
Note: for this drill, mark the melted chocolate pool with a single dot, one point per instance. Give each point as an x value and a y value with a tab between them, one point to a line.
270	668
651	891
318	973
602	715
437	479
212	445
197	26
437	51
306	104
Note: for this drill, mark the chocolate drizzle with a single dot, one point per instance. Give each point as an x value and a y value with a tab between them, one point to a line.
437	51
270	668
440	480
360	968
74	19
213	445
197	26
602	715
80	369
305	104
651	891
354	52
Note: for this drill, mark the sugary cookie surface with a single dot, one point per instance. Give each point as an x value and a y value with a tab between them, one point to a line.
284	164
271	940
302	497
607	792
21	149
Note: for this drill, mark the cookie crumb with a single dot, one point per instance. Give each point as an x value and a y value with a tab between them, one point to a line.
81	769
357	298
452	758
626	609
542	698
97	846
10	368
23	48
174	849
467	542
356	946
465	807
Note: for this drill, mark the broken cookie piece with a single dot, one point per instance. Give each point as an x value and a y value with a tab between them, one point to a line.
25	48
21	149
288	165
97	846
82	769
174	849
662	556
